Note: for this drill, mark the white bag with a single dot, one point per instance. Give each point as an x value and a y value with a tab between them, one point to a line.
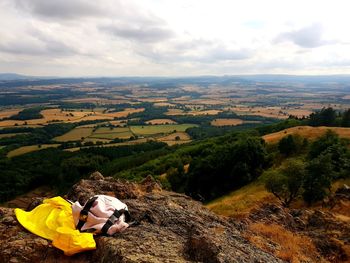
101	214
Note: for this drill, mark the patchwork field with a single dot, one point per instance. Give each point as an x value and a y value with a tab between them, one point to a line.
160	129
30	148
90	133
75	135
226	122
71	116
306	132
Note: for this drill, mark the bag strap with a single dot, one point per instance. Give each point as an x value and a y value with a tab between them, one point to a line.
116	214
85	211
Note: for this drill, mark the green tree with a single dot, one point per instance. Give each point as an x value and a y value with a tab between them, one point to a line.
286	183
325	117
323	143
346	118
318	178
291	144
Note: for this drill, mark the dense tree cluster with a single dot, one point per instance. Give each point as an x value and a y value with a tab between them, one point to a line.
327	159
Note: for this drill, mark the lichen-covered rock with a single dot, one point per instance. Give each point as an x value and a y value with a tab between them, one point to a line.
173	228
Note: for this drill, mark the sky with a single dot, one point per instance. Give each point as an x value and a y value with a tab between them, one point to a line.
174	37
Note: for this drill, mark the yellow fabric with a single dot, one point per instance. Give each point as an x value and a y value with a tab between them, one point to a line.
53	220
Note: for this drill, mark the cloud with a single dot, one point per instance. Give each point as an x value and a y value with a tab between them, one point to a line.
193	51
138	32
222	53
62	9
307	37
38	45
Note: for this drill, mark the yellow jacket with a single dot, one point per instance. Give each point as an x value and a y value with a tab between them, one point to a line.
53	220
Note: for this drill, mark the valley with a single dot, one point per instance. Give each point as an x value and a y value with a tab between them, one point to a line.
227	142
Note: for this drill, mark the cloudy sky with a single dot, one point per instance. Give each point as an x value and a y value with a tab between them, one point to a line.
174	37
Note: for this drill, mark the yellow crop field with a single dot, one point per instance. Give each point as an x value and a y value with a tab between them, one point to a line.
172	112
226	122
30	148
205	112
171	139
161	121
122	114
306	132
8	112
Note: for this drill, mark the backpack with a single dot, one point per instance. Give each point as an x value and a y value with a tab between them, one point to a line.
101	214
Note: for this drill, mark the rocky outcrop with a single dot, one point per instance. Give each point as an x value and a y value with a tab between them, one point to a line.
329	231
173	228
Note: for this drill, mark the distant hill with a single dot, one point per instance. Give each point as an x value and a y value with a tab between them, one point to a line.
306	132
13	76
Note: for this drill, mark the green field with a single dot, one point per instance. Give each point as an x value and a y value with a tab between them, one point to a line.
30	148
111	136
112	133
160	129
75	135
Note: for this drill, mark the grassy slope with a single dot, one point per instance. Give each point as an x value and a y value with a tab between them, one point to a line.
240	202
306	132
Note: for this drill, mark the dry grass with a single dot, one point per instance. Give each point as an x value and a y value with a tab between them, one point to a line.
240	202
226	122
205	112
172	112
9	112
286	245
161	121
306	132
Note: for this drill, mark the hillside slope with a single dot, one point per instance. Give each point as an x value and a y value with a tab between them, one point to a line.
299	234
306	132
